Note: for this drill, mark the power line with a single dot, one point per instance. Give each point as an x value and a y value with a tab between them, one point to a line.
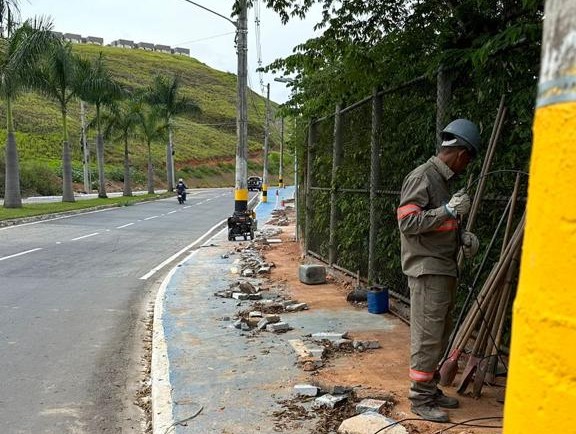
205	39
258	43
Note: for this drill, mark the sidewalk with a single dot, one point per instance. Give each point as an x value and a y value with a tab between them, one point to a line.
209	377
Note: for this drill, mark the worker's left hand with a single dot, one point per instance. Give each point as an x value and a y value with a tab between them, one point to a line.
470	244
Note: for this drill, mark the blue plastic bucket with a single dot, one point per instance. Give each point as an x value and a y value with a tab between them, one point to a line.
378	301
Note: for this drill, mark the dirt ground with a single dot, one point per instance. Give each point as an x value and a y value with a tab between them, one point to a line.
381	372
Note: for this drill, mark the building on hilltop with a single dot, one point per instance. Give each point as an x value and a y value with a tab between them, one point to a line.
72	37
145	46
181	51
95	40
163	48
122	43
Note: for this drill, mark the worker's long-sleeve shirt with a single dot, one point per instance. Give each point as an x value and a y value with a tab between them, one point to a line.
428	232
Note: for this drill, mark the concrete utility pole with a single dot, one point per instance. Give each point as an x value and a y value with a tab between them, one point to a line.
281	168
241	184
241	187
281	172
540	394
266	144
85	149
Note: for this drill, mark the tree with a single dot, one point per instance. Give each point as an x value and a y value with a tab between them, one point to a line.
19	54
153	128
121	123
99	88
164	94
9	12
59	78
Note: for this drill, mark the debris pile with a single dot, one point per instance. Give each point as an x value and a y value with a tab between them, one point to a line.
337	409
278	218
314	349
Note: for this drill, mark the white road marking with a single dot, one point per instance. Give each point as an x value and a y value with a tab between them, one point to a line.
150	218
175	255
172	212
85	236
186	207
124	226
20	254
199	203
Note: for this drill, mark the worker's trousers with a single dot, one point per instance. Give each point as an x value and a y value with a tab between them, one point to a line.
432	300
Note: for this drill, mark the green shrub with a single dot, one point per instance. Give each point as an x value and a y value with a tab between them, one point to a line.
38	178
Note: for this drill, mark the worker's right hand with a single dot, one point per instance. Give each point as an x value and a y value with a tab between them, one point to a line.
459	204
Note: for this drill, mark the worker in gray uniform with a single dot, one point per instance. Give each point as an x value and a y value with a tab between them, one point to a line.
428	218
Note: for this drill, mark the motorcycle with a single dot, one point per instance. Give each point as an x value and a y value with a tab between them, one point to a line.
181	197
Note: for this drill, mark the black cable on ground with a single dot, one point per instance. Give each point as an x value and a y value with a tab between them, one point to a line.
466	423
453	425
183	421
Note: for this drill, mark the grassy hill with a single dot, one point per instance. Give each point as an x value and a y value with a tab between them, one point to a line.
205	145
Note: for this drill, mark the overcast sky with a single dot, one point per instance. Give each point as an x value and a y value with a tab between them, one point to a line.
178	23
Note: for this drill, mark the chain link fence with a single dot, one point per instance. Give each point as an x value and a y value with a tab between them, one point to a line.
357	159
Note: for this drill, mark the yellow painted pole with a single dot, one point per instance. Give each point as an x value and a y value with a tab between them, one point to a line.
541	392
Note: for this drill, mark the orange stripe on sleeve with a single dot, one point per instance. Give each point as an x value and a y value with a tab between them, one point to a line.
421	375
448	225
407	210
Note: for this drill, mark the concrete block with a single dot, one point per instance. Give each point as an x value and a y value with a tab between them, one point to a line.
365	345
312	274
240	296
329	401
342	343
369	423
296	307
255	314
331	336
278	327
306	390
374	405
268	319
317	353
299	347
332	389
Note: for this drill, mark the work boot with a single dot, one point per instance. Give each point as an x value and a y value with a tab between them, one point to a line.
430	412
444	401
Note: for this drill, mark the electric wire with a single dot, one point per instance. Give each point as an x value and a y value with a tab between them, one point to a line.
466	423
204	39
453	424
476	180
258	43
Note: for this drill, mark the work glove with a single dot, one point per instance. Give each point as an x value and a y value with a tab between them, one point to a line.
459	204
470	244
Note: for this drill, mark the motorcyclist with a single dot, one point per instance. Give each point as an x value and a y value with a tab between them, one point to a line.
181	189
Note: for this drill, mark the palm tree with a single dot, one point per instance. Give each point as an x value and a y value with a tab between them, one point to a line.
153	129
165	95
100	89
9	12
18	55
121	122
58	77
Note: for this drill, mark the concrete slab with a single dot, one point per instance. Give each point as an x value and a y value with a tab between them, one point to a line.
369	423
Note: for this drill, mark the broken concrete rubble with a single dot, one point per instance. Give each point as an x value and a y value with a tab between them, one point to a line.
375	405
306	390
369	423
329	401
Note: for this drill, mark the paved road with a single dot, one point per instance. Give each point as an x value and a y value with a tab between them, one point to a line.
73	292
